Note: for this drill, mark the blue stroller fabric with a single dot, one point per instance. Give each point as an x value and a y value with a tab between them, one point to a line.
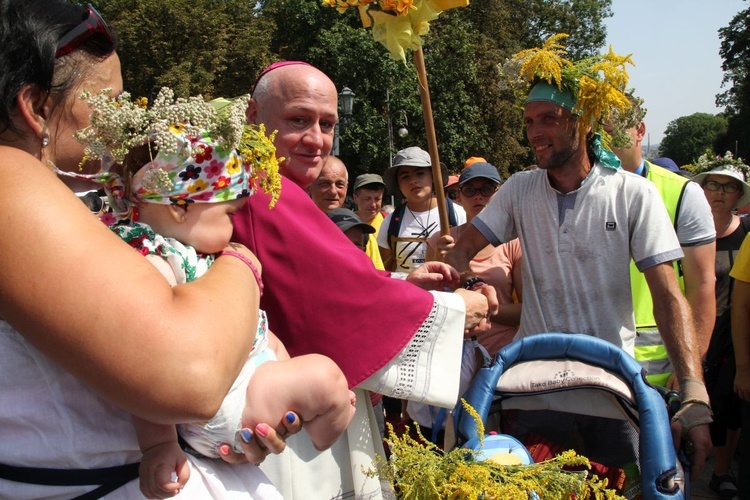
657	457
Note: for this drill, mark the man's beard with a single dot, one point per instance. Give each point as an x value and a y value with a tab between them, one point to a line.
562	158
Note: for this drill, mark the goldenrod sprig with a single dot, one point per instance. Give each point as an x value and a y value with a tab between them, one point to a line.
418	469
597	83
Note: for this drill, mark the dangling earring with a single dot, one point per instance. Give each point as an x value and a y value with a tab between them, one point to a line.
45	140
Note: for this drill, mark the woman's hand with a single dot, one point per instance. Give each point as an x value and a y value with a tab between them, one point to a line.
257	444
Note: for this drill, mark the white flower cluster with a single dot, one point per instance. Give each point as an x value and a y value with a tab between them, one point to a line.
708	162
118	124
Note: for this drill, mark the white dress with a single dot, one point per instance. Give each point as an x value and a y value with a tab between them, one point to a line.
50	419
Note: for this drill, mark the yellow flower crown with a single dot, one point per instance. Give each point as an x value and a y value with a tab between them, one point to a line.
597	84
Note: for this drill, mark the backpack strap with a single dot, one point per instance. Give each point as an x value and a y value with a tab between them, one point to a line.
452	219
394	226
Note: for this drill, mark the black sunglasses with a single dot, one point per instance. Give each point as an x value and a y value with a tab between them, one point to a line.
486	190
92	25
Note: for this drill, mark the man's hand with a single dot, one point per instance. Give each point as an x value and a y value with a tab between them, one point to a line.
699	438
433	275
692	419
477	311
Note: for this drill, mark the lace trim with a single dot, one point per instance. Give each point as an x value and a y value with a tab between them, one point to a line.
409	357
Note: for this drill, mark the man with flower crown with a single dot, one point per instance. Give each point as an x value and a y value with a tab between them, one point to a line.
580	219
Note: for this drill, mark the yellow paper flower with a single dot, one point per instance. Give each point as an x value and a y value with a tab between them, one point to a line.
397	24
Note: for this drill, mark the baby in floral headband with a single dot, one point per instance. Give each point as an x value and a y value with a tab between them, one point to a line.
178	197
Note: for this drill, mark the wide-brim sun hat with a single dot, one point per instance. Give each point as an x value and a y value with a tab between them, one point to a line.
732	172
413	156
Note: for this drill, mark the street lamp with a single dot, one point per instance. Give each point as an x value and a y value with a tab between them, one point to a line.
346	104
346	98
402	131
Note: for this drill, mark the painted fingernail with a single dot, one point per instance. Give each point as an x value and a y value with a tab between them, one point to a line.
262	429
224	449
246	435
291	417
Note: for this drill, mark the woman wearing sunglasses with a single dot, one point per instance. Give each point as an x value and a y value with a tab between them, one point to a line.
74	357
497	266
724	184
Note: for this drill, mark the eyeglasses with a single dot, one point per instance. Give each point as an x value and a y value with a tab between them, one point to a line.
92	200
727	187
486	190
92	25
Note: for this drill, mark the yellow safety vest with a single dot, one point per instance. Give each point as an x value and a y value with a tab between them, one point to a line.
650	351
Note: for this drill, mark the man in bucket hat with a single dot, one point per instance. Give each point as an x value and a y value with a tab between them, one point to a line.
403	236
580	219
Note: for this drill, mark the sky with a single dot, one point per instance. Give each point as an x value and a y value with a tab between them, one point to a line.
675	47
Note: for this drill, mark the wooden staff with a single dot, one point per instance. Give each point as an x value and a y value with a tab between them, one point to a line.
429	124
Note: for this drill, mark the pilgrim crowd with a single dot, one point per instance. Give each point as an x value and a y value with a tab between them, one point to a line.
274	316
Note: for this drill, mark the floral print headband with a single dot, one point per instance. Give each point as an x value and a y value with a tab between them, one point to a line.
202	171
205	151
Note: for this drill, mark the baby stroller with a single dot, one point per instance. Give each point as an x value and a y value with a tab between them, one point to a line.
552	379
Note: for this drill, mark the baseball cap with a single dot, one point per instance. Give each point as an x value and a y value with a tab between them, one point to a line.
365	179
472	160
452	180
345	219
667	163
480	170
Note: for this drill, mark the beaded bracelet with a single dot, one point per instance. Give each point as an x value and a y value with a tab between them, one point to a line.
250	264
472	283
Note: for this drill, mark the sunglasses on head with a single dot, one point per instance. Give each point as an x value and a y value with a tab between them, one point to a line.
486	190
92	25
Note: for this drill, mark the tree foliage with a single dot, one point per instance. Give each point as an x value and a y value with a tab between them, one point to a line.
218	47
735	51
204	47
688	137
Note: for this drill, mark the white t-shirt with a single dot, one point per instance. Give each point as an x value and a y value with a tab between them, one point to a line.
412	254
577	248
